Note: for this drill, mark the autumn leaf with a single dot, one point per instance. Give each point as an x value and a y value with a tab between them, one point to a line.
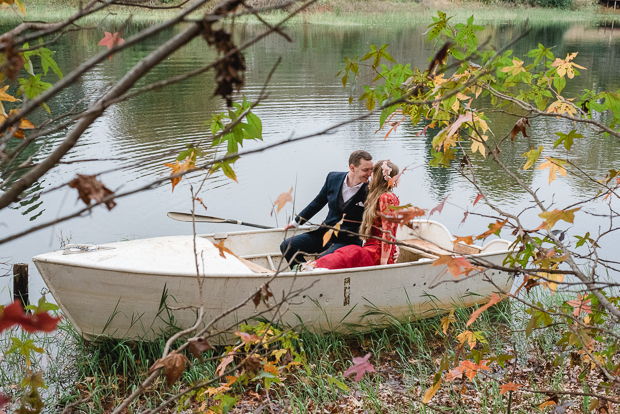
493	228
554	165
173	366
328	234
220	246
446	321
520	127
454	264
494	299
552	217
6	97
219	371
197	346
403	216
247	338
478	198
477	144
550	401
14	314
515	69
552	279
565	66
111	40
580	305
252	364
471	338
532	156
430	393
360	366
22	124
562	107
263	293
178	168
439	207
283	199
90	188
511	386
466	239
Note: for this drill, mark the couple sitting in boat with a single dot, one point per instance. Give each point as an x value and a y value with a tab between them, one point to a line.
349	195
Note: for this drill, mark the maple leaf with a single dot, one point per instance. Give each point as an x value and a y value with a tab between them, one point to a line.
477	144
439	207
552	217
550	401
283	199
494	299
478	198
519	127
90	188
511	386
328	234
225	362
515	69
14	314
446	321
111	40
466	239
247	338
220	246
173	366
532	156
454	264
565	66
178	168
226	168
360	365
554	165
561	107
403	216
6	97
580	305
197	346
493	228
454	374
23	124
567	139
471	338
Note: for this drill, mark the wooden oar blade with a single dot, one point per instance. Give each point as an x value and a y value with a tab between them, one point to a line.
198	218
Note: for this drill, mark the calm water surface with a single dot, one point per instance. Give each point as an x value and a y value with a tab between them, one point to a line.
304	97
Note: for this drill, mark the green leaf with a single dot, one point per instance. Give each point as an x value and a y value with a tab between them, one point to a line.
226	168
34	381
567	139
34	86
333	381
42	306
532	156
227	402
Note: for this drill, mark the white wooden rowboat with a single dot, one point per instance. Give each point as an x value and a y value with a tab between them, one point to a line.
118	290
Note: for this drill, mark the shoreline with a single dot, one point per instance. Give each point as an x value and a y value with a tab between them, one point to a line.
345	13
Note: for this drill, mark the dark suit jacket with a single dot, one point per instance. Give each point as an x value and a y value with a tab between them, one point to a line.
331	194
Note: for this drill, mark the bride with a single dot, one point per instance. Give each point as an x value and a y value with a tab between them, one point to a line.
375	251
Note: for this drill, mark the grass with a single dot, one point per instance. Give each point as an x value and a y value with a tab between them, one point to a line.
406	355
343	12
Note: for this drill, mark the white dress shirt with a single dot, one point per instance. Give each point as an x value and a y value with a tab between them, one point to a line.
347	193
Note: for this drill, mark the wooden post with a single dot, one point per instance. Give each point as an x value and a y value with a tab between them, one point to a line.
20	283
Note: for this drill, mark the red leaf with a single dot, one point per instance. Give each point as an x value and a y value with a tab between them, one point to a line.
438	207
580	305
4	400
111	40
360	365
14	314
478	197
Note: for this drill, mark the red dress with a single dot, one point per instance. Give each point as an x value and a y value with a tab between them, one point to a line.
370	254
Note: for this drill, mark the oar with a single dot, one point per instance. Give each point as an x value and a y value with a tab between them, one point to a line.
210	219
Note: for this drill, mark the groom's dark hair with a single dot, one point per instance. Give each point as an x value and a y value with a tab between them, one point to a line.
356	157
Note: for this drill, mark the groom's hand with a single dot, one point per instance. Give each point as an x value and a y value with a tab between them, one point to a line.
288	227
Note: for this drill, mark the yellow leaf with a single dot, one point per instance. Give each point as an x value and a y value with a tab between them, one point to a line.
565	66
561	107
446	321
516	68
552	217
554	166
469	337
477	144
6	97
430	393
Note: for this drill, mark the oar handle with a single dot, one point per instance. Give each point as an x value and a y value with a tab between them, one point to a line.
210	219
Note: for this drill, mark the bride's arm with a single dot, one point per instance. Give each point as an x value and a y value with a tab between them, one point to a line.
387	229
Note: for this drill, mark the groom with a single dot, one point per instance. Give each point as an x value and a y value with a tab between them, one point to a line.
344	193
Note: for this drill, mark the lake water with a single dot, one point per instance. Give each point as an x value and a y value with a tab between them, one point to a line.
131	141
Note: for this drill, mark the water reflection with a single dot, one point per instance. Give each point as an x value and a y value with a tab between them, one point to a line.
304	97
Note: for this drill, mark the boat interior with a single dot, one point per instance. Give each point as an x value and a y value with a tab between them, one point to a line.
423	240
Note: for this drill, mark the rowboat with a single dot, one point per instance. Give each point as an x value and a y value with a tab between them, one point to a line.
140	289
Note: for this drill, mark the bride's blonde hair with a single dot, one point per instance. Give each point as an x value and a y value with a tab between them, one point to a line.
378	186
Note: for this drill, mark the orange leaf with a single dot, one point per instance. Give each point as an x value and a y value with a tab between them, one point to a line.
454	264
492	229
111	40
403	216
222	367
430	393
328	234
178	168
466	239
247	338
494	299
511	386
220	246
23	124
283	199
552	217
478	197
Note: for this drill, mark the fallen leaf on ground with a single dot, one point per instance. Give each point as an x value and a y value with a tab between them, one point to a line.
360	365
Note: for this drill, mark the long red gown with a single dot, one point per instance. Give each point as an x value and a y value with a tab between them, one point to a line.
369	254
